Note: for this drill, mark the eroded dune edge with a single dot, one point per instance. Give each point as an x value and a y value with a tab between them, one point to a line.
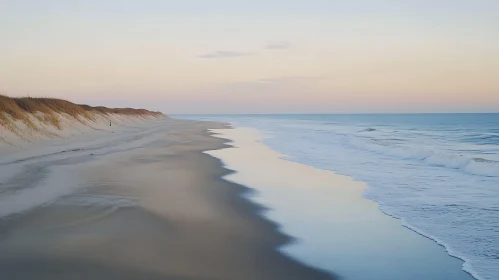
26	119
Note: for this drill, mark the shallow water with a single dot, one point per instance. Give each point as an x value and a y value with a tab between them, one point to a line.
336	229
438	173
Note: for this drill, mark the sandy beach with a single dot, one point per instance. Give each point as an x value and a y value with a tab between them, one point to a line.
249	140
139	203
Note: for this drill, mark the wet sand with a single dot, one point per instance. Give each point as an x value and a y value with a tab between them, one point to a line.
155	210
337	228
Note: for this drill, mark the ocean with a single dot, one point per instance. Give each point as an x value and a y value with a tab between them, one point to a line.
438	173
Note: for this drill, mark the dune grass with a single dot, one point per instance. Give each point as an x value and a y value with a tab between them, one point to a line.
47	111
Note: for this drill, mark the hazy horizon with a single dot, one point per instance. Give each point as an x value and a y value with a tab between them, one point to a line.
219	57
284	114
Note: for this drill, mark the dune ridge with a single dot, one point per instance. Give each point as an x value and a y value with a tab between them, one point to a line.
29	119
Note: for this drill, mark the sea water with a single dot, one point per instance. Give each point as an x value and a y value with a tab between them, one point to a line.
438	173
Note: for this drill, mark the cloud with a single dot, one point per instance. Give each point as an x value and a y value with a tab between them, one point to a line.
289	80
278	45
278	83
275	45
224	54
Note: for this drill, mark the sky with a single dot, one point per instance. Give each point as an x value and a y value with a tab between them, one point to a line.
272	56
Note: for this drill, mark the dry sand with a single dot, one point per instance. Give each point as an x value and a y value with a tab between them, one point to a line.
148	206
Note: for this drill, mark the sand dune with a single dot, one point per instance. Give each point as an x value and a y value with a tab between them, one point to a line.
27	120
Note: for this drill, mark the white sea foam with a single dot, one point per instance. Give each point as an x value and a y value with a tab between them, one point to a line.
328	237
438	173
476	166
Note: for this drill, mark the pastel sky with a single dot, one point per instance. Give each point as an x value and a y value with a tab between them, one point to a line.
258	56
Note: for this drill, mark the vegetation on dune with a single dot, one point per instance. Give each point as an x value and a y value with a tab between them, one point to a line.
47	110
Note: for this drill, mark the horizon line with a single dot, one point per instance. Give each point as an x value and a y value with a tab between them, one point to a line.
427	113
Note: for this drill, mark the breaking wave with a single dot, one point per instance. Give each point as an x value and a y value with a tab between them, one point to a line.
475	166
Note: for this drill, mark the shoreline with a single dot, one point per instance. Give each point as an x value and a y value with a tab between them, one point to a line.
158	209
309	249
465	267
